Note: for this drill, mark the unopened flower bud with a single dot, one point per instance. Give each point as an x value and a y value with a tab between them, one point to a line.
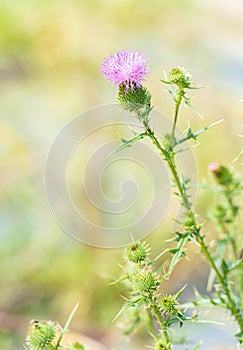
145	282
41	334
137	252
222	174
180	77
169	304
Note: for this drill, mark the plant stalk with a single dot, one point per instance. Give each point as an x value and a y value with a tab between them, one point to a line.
177	107
162	326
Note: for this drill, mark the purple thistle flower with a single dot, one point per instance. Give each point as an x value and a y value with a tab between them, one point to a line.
125	67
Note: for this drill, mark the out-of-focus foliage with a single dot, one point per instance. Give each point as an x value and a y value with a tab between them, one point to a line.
50	53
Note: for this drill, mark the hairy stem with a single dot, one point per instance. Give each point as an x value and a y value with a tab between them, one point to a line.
233	224
169	157
162	326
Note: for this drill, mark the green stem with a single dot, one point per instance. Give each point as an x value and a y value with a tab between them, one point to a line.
162	326
233	237
234	245
172	166
232	234
177	107
169	157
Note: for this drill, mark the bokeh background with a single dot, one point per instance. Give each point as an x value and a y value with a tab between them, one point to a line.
50	54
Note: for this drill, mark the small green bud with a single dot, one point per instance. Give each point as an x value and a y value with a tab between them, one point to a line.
135	99
76	346
41	334
145	282
136	253
169	304
180	77
189	220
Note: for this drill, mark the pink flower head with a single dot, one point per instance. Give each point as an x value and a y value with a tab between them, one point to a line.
125	67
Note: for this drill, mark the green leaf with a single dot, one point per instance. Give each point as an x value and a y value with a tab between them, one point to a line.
132	303
164	81
178	252
182	319
195	134
180	291
235	265
151	262
119	280
66	325
128	143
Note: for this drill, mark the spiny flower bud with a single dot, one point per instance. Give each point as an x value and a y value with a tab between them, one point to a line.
189	220
222	174
134	99
180	77
169	304
145	282
41	334
137	252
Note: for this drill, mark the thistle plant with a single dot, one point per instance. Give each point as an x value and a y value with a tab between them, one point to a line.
127	70
143	273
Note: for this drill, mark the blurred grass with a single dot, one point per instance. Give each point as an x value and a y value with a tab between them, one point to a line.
50	55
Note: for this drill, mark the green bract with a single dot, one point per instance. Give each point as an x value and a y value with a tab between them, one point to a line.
136	99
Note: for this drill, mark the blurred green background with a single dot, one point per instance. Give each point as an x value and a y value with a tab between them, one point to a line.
50	54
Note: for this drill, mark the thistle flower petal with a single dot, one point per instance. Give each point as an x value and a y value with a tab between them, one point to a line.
125	67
